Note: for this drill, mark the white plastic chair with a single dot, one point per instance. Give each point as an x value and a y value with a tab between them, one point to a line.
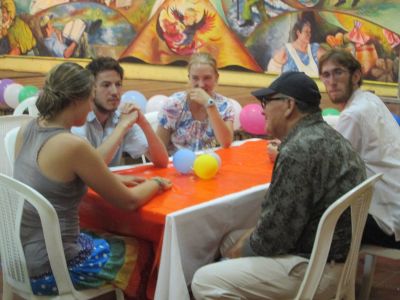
359	199
153	120
9	142
371	252
13	194
28	104
6	124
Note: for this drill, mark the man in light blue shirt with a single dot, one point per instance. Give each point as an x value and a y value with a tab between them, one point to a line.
114	131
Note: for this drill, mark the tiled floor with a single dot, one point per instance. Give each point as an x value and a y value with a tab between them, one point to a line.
386	284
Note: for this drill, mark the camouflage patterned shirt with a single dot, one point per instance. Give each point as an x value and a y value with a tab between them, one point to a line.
315	166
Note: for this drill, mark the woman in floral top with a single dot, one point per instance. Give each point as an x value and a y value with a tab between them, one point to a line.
197	118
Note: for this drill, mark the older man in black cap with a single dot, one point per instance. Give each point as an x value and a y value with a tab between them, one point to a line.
315	166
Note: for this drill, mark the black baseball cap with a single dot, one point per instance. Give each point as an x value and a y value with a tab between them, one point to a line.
294	84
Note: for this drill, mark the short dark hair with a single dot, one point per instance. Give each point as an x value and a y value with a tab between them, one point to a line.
298	26
343	58
105	63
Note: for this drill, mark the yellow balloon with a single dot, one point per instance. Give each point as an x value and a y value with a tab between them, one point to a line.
205	166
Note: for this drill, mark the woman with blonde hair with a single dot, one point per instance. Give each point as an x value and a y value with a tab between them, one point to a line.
197	118
60	166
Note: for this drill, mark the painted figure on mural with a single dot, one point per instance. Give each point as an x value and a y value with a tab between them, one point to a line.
247	14
299	55
19	36
72	41
180	32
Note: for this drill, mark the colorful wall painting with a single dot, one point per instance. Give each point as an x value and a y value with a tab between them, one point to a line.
249	35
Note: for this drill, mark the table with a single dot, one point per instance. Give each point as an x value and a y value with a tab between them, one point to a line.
187	223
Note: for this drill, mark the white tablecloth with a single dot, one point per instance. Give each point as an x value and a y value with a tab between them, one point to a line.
192	237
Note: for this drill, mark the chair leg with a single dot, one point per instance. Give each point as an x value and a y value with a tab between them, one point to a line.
367	277
7	291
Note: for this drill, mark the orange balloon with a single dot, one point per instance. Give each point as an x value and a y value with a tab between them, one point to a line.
205	166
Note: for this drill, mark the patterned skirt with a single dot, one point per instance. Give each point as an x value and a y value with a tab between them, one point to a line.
105	259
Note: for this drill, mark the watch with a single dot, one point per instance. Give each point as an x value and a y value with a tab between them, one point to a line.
210	102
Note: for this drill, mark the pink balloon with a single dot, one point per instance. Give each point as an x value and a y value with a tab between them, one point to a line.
155	103
252	119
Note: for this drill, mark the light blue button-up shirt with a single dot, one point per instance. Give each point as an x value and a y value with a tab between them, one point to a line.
134	142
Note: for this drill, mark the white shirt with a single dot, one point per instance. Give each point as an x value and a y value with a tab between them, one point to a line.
370	127
134	141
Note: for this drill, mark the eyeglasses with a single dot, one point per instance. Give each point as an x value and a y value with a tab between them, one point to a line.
335	74
264	100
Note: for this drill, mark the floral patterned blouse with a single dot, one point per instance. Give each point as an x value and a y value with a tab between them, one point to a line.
187	132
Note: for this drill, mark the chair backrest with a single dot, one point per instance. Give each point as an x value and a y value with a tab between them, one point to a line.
9	142
6	124
13	194
359	199
28	104
152	118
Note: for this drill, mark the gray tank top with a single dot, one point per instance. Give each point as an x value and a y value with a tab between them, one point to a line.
65	198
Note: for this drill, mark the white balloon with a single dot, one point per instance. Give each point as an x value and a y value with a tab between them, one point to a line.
155	103
11	94
331	120
237	109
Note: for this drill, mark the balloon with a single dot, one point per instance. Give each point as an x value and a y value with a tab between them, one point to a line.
237	108
205	166
183	160
135	97
3	85
252	119
155	103
217	157
330	112
11	94
27	92
397	118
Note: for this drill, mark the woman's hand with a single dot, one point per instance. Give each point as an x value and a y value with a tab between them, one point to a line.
129	115
272	149
198	95
163	183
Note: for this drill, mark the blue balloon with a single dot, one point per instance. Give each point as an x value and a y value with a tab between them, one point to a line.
397	118
183	160
135	97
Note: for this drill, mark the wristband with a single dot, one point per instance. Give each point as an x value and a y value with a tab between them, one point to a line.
210	102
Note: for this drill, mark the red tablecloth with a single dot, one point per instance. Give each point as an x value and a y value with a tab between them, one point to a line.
242	167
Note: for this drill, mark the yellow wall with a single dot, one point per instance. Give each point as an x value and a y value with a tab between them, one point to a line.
172	73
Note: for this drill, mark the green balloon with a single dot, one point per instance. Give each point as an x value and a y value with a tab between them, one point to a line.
26	92
330	112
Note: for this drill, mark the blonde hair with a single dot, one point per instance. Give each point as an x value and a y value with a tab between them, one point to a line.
9	6
66	83
203	58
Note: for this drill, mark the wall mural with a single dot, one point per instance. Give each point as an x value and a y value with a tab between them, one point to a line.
253	35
